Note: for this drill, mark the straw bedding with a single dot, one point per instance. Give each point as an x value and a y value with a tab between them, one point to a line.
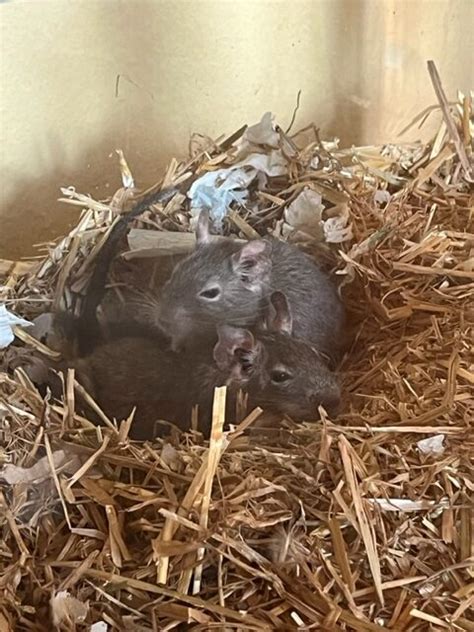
364	522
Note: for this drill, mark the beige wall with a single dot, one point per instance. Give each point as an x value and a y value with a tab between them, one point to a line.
203	65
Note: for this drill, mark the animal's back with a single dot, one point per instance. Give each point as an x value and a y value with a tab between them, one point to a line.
135	372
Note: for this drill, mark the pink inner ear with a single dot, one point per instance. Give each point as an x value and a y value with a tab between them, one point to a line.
253	250
282	320
253	263
203	234
230	340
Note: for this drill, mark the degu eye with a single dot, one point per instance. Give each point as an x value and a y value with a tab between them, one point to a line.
210	293
279	376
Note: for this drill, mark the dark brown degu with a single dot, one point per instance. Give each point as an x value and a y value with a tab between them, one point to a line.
278	372
259	316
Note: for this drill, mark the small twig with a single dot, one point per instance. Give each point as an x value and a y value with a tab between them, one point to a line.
452	129
230	140
422	117
56	480
297	107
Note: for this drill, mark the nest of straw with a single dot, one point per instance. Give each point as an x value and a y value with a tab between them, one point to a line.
365	522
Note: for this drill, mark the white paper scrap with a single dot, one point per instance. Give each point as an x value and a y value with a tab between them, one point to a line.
431	445
7	322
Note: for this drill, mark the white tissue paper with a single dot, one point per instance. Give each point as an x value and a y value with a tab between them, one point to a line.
15	474
303	220
432	445
304	214
7	322
338	228
382	196
272	164
216	190
262	133
66	609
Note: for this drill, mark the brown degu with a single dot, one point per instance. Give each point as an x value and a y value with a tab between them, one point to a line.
227	282
277	371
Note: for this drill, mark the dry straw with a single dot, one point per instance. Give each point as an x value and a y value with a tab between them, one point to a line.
361	523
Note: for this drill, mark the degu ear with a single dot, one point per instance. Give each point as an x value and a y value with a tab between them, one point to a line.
279	319
203	228
253	262
234	347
